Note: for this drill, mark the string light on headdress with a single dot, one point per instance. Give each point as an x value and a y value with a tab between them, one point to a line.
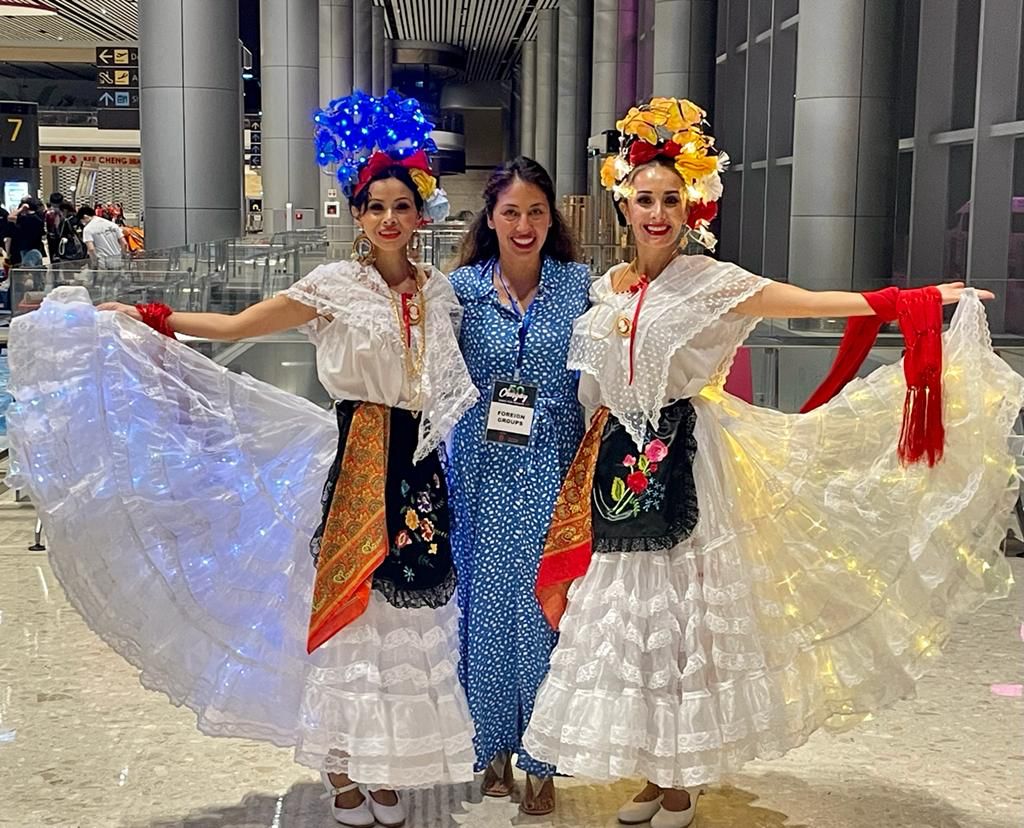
671	128
357	135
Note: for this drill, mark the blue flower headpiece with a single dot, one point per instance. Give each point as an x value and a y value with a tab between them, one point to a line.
349	130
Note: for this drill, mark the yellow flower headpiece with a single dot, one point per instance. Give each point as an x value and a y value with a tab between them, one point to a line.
670	128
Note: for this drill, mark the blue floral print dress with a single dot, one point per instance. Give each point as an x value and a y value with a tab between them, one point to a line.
502	497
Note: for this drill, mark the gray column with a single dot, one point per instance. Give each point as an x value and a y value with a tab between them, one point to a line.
291	73
605	67
191	121
625	75
335	82
335	49
528	98
684	49
988	241
362	45
573	119
645	49
934	105
378	46
547	88
614	64
844	145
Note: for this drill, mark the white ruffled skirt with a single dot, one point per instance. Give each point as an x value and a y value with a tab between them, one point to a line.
178	501
819	585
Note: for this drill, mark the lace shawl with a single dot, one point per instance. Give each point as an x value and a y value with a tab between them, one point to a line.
356	295
691	294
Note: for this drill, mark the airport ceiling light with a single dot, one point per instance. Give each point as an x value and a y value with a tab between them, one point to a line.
26	8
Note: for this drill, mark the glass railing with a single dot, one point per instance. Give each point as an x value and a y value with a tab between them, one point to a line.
223	276
787	358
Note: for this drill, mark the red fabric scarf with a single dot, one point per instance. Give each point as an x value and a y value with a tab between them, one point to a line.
919	312
157	316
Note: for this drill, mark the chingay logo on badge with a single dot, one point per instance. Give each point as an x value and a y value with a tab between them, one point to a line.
514	394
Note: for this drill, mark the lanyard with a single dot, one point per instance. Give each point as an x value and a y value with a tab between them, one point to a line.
525	320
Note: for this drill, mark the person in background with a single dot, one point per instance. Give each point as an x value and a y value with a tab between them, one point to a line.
54	218
26	243
5	236
103	239
69	234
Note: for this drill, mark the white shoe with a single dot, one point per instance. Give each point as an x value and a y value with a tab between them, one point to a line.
678	819
637	813
390	816
358	817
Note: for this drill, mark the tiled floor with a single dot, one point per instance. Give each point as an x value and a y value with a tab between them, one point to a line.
82	744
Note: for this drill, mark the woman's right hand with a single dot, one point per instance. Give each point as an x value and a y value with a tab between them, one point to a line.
120	307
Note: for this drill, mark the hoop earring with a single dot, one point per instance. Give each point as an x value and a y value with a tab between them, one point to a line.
362	248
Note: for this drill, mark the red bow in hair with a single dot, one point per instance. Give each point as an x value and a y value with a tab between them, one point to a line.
919	312
380	161
640	152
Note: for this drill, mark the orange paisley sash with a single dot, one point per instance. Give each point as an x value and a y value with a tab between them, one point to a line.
570	539
355	539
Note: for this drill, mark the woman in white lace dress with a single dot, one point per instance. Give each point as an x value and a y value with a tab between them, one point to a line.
726	578
202	489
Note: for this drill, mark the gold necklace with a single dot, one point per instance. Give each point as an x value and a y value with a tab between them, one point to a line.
413	315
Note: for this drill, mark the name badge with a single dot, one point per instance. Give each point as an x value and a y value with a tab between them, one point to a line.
510	417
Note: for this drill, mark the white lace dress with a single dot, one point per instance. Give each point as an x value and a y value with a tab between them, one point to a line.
822	577
179	499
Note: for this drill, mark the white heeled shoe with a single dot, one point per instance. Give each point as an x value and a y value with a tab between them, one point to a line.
358	817
390	816
637	813
678	819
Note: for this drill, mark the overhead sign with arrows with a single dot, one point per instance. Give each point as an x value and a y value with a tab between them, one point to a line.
117	87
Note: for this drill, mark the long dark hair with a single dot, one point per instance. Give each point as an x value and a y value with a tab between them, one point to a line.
480	244
397	171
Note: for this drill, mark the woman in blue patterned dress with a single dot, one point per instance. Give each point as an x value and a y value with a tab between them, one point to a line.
521	288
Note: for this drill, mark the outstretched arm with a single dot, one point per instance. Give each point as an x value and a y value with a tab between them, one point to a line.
278	313
780	300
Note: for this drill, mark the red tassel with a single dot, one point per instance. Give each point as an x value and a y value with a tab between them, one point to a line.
923	434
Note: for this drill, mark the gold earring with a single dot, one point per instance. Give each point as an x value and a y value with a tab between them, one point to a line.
362	248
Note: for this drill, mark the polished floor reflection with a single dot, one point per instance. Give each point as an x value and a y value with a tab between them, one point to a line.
83	744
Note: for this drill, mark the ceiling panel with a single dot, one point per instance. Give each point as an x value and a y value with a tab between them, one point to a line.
85	21
491	31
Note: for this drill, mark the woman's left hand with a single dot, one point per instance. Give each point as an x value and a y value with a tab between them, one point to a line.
951	292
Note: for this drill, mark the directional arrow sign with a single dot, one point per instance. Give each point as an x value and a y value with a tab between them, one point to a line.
106	99
120	56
